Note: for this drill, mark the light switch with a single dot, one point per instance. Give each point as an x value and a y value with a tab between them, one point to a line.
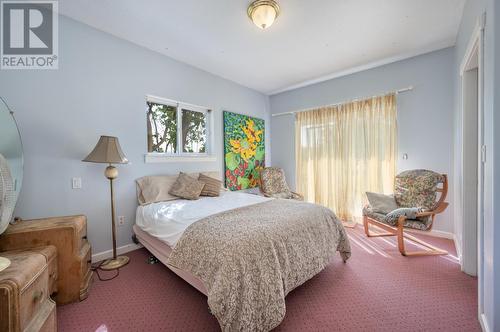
76	183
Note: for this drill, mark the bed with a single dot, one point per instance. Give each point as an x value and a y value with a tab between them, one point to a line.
160	225
245	252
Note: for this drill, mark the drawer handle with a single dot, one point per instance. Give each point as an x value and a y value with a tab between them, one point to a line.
37	296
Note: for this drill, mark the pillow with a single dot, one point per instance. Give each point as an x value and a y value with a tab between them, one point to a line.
186	187
381	203
212	186
153	189
393	217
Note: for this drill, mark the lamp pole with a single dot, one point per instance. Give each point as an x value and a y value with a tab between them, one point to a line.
111	173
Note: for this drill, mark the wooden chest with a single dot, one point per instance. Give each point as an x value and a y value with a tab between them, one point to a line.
25	288
74	255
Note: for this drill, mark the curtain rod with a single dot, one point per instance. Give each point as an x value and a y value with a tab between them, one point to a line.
409	88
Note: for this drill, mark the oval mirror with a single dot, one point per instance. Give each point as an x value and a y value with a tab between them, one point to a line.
11	165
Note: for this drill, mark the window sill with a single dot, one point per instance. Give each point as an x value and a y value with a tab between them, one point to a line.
151	158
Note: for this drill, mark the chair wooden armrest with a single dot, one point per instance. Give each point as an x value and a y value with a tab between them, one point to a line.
437	210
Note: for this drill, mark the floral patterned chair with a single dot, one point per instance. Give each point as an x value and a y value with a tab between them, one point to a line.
415	194
273	184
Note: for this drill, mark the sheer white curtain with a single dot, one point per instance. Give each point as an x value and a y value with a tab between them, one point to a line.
342	151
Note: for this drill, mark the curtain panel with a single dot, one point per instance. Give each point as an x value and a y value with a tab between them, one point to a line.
342	151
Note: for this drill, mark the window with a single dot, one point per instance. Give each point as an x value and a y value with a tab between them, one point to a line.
177	129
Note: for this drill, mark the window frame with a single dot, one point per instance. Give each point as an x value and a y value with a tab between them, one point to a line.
180	155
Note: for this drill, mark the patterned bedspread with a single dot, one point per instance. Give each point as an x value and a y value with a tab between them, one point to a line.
250	258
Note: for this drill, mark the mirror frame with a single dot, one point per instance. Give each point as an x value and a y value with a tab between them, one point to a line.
20	184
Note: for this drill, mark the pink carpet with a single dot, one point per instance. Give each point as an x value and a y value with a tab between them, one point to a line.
376	290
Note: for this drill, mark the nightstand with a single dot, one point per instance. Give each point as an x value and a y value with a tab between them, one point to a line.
74	255
25	288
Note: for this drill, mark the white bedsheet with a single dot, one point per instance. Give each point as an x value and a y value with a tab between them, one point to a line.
167	221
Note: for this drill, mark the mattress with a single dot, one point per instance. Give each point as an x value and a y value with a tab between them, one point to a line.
162	251
159	226
167	221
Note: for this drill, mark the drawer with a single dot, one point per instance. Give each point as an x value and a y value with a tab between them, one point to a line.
33	297
85	286
53	275
81	236
50	253
86	254
45	320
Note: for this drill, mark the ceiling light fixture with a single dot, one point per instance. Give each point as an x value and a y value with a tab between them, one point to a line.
263	13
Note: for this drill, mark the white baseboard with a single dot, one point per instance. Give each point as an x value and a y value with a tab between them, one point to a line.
484	323
435	233
120	251
458	247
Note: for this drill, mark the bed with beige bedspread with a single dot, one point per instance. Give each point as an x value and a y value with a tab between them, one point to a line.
250	258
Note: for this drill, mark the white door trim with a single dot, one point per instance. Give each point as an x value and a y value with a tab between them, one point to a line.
476	43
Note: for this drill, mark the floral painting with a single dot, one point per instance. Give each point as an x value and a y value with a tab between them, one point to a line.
244	150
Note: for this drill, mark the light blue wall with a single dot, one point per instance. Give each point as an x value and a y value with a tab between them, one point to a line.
100	88
491	265
425	115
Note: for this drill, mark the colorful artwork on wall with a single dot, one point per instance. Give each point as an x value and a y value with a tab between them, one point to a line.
244	150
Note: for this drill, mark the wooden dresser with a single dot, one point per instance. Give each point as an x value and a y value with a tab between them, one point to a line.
25	288
69	236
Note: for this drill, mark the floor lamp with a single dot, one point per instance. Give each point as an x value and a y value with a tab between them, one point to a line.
108	151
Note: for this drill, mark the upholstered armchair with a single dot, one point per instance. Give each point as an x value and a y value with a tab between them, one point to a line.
414	205
273	184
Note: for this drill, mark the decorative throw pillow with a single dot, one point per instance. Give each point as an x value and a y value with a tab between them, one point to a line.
186	187
381	203
152	189
212	186
410	213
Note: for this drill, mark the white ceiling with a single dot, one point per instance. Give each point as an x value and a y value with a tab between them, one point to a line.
310	41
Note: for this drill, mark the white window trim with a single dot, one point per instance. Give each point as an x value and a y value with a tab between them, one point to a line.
156	157
208	156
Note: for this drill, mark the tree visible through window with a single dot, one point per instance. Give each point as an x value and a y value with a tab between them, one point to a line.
173	133
194	131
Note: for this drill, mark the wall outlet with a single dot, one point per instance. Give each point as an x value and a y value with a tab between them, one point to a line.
76	183
121	220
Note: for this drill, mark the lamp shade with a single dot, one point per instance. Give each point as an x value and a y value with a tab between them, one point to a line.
108	151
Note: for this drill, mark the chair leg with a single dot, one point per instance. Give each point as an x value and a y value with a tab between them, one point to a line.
400	232
401	244
366	223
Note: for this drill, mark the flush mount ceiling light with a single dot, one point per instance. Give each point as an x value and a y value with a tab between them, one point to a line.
263	13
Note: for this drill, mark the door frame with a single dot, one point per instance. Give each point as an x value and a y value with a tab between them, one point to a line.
476	43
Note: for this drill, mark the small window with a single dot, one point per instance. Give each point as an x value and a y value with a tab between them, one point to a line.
193	131
176	128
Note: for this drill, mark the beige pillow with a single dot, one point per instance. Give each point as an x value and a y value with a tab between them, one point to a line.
186	187
381	203
153	189
212	186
